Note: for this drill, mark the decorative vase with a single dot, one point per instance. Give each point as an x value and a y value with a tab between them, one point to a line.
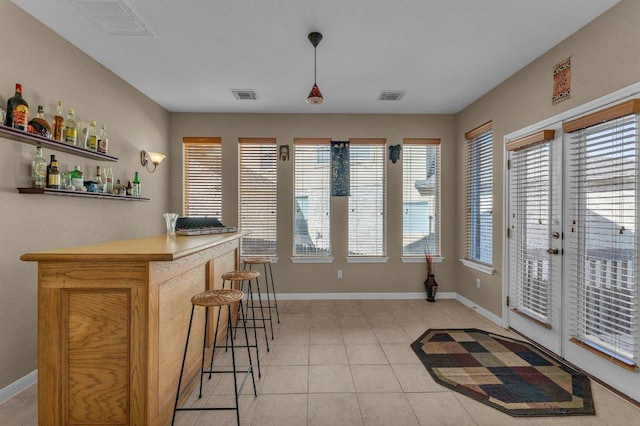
431	286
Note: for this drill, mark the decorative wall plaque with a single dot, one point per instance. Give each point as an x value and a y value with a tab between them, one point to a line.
561	81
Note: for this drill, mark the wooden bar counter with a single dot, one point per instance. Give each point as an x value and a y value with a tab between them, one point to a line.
112	323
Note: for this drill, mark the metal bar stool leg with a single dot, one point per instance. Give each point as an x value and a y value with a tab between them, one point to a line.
246	338
184	359
273	289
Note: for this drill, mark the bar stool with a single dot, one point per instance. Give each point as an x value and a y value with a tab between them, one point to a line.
219	298
243	277
268	277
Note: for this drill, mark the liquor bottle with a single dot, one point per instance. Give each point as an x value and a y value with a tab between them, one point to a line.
58	122
108	180
136	190
93	136
54	174
17	111
39	124
38	170
76	177
83	134
98	180
70	129
129	188
103	140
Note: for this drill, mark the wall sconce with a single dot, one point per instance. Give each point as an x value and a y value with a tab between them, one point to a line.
153	157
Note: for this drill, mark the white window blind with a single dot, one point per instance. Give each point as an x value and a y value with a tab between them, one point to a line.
367	230
603	236
202	177
529	219
421	197
312	201
479	195
258	196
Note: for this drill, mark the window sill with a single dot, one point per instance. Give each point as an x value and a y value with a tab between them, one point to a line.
272	259
478	266
421	259
367	259
310	259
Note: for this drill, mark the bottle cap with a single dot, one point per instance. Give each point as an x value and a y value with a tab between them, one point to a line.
40	108
18	87
93	122
71	111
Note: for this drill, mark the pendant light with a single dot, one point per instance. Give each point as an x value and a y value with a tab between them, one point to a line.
315	97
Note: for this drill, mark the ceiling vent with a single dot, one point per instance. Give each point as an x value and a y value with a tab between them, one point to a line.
391	95
245	95
114	17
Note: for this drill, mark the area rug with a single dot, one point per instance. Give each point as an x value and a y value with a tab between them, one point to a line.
510	375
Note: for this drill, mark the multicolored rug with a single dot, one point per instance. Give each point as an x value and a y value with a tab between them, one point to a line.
510	375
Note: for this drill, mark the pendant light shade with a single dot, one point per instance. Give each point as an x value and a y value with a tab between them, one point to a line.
315	97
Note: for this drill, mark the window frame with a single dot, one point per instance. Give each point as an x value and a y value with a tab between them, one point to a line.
191	179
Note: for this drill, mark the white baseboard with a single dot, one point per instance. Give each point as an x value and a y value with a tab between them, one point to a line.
479	309
18	386
349	296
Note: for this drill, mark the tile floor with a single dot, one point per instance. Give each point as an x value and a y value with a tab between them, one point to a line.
348	362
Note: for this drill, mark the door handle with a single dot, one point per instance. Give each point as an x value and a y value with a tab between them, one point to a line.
553	250
555	235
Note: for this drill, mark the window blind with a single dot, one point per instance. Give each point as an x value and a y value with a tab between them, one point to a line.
367	230
258	196
530	221
479	195
603	239
312	200
202	177
421	197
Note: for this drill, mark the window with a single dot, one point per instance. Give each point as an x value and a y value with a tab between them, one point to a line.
603	234
421	197
479	194
258	196
367	230
202	183
312	204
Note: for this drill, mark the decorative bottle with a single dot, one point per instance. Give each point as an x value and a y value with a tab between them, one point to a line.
38	170
58	123
103	140
70	129
136	190
39	125
17	110
54	174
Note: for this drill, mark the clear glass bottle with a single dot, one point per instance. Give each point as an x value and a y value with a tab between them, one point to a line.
93	136
108	180
58	123
38	170
70	128
103	140
99	182
76	177
136	189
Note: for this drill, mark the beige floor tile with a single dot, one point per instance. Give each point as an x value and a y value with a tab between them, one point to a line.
22	409
246	406
391	335
400	353
280	410
353	321
292	336
284	354
330	378
366	354
386	409
322	321
415	378
439	408
359	335
375	378
335	409
326	336
286	379
484	415
327	354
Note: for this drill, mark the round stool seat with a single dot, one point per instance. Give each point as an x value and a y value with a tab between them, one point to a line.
257	260
240	275
217	297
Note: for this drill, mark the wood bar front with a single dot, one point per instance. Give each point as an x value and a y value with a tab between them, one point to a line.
112	324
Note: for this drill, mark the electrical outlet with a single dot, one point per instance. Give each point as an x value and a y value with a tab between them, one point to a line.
339	273
478	283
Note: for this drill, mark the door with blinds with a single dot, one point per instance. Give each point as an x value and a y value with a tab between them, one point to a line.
535	237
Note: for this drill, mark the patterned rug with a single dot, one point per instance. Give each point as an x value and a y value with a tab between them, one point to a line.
510	375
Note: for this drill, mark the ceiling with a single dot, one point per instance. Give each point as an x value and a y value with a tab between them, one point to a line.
444	53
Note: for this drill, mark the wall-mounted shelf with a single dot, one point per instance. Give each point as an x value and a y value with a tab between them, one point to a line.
64	192
32	139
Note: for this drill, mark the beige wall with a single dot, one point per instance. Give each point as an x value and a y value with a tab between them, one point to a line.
393	276
605	56
49	68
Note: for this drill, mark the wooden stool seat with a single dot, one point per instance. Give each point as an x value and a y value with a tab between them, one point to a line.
256	260
217	297
240	275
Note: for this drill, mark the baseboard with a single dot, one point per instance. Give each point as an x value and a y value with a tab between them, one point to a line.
479	309
18	386
355	296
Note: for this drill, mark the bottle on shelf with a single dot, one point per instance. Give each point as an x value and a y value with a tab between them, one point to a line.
38	170
108	180
93	136
17	111
76	177
103	140
58	123
99	180
129	189
83	134
136	189
70	128
53	181
39	125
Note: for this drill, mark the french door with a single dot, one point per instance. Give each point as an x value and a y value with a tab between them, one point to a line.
535	237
